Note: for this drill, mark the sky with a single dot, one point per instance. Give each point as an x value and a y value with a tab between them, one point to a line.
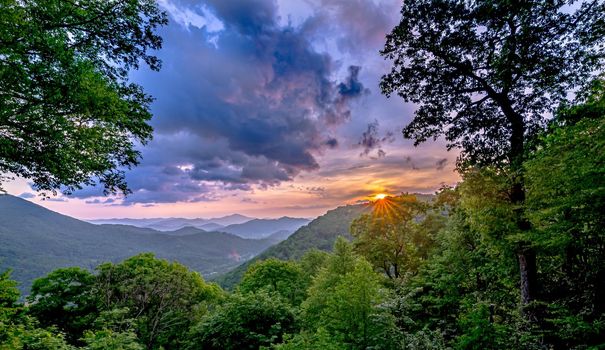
268	108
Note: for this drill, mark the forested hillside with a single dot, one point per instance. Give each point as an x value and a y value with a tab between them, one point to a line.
36	241
320	234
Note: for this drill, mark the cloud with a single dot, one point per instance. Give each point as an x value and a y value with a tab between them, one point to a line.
371	140
55	199
247	100
248	200
101	201
244	102
357	26
441	163
26	195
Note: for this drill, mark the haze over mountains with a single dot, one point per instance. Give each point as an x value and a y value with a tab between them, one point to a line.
169	224
236	224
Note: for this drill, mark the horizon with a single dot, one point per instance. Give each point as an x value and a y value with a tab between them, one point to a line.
310	218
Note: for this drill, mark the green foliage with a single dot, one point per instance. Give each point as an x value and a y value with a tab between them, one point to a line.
320	234
485	72
65	299
282	277
69	116
567	207
110	340
465	295
321	339
164	298
28	337
9	294
312	262
245	321
9	310
19	331
424	340
345	300
398	235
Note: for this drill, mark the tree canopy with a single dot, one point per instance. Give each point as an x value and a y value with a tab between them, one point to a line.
486	73
68	114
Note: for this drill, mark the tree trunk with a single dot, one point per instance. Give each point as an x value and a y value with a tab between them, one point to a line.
527	269
525	254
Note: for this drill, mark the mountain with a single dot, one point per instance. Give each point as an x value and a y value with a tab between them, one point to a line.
126	221
232	219
262	228
211	226
35	241
279	236
320	233
171	224
236	224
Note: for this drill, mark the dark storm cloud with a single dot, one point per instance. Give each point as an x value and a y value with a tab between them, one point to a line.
352	87
249	105
332	143
371	140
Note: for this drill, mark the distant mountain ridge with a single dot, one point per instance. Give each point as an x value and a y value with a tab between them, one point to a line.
239	225
263	228
35	241
171	224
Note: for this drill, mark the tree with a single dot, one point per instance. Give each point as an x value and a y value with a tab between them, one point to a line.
68	115
566	208
345	301
163	298
65	299
18	330
397	235
9	296
311	341
485	74
464	295
245	321
282	277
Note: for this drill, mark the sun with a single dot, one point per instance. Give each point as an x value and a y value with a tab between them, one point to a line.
380	196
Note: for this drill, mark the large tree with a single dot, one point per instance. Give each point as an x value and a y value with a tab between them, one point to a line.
486	75
397	235
68	114
163	298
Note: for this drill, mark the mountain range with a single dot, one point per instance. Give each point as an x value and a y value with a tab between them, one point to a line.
239	225
170	224
35	241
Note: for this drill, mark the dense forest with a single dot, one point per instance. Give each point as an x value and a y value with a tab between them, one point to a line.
511	257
